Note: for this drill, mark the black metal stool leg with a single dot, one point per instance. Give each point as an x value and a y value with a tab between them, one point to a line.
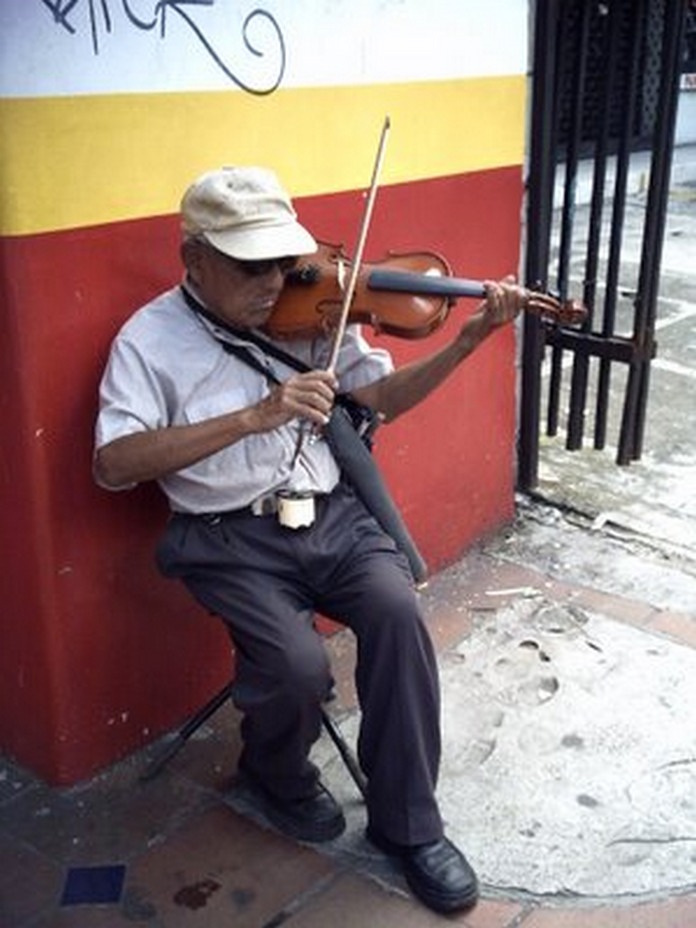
347	755
185	732
199	718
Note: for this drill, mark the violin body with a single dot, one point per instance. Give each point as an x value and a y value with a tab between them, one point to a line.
407	295
312	298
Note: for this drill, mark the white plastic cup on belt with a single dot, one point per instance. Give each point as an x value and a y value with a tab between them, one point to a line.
295	509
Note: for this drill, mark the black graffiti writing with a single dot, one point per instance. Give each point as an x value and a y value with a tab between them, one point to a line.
101	23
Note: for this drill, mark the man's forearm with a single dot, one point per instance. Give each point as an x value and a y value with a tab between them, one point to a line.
153	454
409	385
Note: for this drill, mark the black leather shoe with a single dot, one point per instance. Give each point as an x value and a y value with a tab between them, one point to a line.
437	873
315	819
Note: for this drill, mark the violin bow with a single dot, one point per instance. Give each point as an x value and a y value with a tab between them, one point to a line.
360	248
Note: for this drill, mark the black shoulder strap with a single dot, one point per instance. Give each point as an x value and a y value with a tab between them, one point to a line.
266	346
243	353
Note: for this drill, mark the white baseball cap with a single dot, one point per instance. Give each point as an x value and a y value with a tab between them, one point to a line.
245	213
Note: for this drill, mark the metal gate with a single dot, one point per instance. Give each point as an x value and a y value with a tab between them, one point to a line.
605	87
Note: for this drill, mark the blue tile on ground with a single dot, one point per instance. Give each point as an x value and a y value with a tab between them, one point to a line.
92	885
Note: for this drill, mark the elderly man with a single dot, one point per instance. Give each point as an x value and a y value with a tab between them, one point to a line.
266	531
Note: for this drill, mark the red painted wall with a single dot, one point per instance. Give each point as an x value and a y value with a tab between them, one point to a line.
100	654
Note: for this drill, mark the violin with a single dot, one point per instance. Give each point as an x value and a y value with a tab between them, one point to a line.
407	295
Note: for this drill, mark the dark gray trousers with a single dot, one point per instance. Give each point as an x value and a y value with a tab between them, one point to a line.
267	583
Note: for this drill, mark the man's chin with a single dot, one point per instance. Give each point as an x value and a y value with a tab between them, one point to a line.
257	319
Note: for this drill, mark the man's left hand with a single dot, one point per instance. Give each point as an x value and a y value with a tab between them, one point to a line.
504	300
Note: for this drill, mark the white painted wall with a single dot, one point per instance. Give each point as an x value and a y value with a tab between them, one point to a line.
57	47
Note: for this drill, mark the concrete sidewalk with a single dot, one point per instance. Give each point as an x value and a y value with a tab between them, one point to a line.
568	776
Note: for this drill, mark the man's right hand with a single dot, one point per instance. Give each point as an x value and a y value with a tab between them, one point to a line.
309	396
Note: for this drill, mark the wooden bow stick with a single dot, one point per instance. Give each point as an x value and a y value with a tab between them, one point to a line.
360	248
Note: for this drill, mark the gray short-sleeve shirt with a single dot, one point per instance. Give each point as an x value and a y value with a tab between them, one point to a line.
166	367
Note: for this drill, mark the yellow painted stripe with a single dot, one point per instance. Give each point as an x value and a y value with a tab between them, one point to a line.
75	161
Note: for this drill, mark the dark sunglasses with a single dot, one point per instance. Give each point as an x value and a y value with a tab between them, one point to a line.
252	268
265	266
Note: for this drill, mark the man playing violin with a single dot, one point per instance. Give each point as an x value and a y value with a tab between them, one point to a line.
264	531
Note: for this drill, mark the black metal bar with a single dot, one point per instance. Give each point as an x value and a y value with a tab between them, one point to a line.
567	221
581	369
555	383
624	454
655	217
611	57
624	350
638	12
541	174
573	153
